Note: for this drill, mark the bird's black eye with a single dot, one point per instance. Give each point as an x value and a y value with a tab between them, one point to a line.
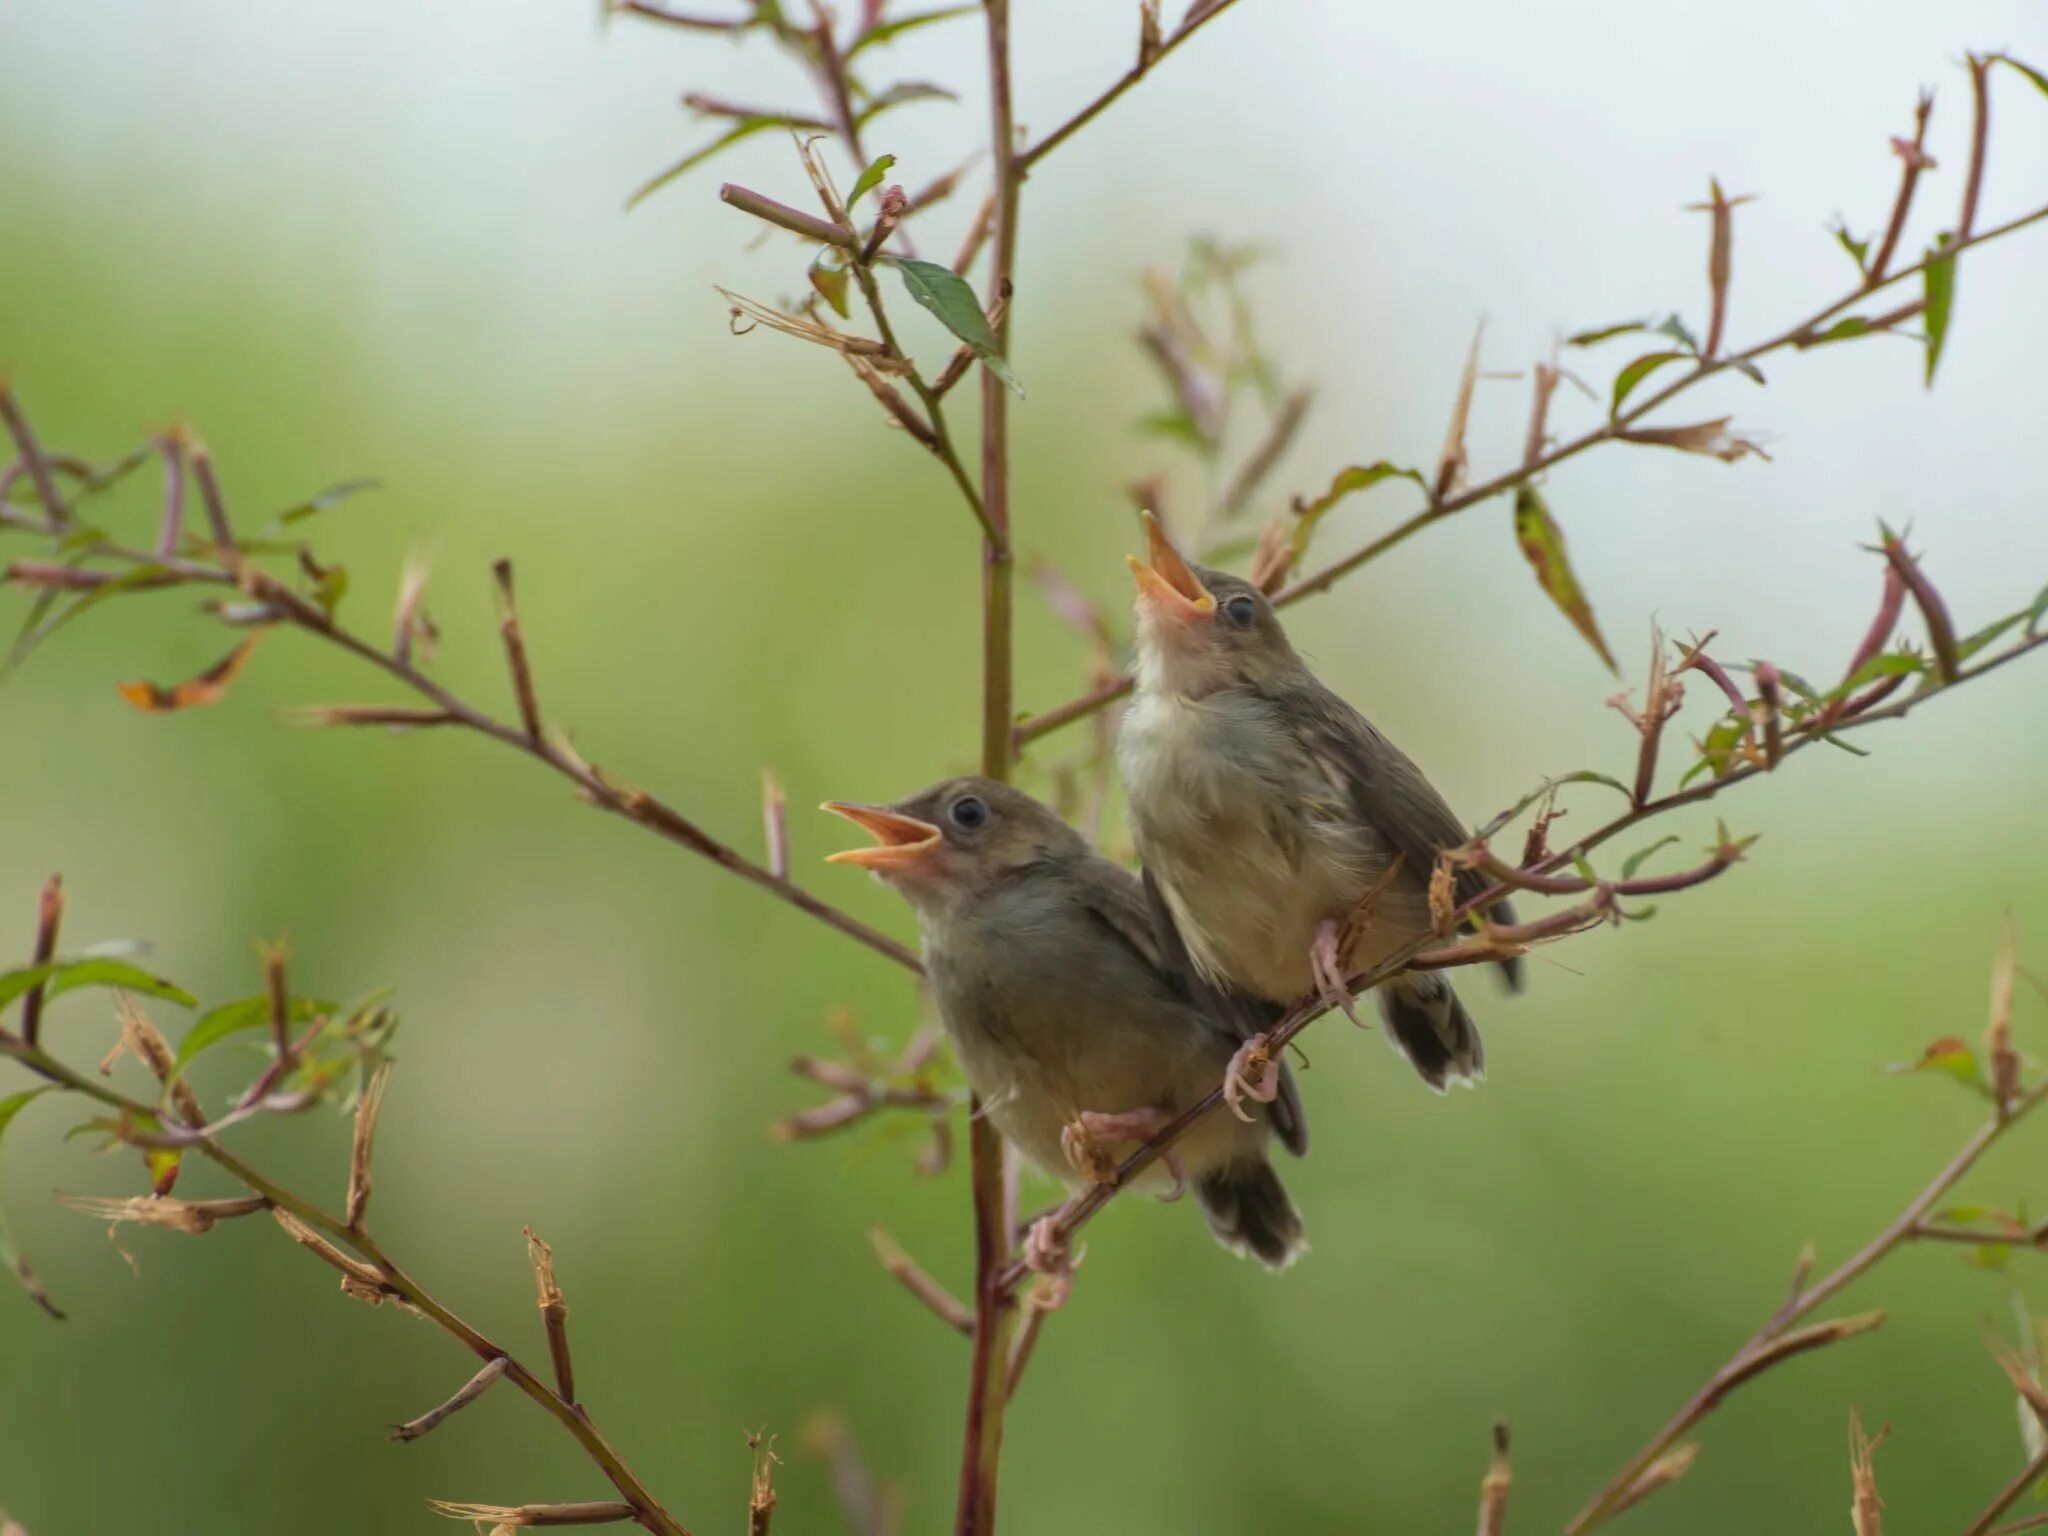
1241	611
970	811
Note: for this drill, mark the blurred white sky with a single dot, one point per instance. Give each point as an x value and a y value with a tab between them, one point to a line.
452	176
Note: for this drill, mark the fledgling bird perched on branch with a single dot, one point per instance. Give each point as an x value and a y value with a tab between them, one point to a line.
1047	970
1275	822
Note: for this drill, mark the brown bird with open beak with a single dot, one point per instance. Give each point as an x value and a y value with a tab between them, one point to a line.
1270	814
1047	970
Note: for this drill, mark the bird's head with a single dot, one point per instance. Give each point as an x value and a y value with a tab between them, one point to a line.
1200	631
955	840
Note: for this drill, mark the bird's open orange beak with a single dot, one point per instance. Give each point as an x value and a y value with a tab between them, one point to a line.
1167	579
901	842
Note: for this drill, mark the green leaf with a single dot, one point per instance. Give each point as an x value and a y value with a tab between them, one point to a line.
1176	426
942	291
882	31
61	976
1637	371
1967	648
1859	250
39	629
1845	329
1716	750
1601	333
1636	860
10	1256
902	95
1675	328
1747	369
217	1024
15	1103
868	180
1542	543
1583	776
2037	612
1358	477
300	511
828	276
1950	1056
745	128
2040	80
1938	291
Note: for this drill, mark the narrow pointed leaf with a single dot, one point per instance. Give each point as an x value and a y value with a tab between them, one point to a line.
869	179
10	1257
334	494
1938	291
1358	477
1637	371
882	31
1542	543
745	128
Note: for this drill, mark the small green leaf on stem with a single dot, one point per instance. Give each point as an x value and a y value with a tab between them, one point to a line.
1848	328
882	31
1675	328
1542	543
1636	860
1859	250
828	276
1358	477
902	95
11	1106
300	511
1950	1056
1637	371
2040	80
1600	333
1938	290
744	129
867	181
946	294
243	1015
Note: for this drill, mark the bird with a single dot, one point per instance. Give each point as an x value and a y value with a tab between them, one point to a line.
1047	970
1285	841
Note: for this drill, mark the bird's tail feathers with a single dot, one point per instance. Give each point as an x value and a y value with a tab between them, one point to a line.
1248	1210
1427	1024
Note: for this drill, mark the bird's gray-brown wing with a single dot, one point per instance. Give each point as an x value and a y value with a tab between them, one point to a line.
1387	790
1239	1015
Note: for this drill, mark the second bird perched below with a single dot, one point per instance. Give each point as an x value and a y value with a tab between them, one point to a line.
1270	816
1050	979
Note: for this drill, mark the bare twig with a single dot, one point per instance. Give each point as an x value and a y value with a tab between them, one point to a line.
468	1393
49	918
1493	1488
905	1271
359	1178
554	1315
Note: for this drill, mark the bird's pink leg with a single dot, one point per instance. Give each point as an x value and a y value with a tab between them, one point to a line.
1326	964
1253	1074
1047	1253
1088	1138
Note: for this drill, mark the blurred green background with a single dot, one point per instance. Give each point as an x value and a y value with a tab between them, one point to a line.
387	239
